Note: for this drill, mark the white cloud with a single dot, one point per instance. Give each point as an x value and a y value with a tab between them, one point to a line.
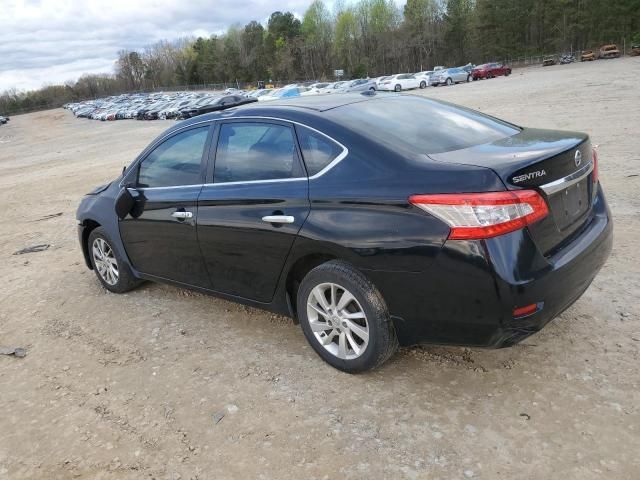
52	41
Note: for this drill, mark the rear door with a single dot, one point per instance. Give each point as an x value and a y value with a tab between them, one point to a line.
159	234
251	213
461	75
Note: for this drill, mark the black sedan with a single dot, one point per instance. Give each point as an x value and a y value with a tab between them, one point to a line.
374	221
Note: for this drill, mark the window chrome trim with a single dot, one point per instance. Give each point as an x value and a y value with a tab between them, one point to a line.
142	189
251	182
333	163
565	182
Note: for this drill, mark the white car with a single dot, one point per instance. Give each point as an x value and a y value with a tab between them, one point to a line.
333	87
316	88
399	82
423	78
380	79
261	93
284	92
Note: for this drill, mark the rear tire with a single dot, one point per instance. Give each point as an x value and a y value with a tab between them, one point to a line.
112	271
469	78
449	82
423	84
397	88
344	318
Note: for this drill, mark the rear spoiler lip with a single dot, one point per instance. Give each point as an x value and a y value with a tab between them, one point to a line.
528	145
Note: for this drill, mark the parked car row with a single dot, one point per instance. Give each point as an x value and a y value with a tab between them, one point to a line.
606	51
320	88
182	105
154	106
441	76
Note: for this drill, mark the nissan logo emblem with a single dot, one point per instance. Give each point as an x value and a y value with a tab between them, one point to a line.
578	158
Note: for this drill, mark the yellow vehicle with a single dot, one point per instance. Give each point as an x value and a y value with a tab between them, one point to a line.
587	56
609	51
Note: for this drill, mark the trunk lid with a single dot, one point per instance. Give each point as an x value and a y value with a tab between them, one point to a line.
557	164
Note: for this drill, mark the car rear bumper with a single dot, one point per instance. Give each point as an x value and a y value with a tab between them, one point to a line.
468	294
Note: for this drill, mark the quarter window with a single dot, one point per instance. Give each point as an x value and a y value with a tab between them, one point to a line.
177	161
318	151
256	151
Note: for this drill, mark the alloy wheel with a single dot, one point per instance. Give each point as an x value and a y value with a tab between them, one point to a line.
338	321
105	261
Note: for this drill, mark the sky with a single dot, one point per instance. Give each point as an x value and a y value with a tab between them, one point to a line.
52	41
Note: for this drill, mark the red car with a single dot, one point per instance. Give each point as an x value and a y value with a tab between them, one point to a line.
490	70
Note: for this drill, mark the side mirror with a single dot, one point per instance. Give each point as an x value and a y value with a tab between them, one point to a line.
124	203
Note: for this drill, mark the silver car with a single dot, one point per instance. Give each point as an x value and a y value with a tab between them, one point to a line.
449	77
360	85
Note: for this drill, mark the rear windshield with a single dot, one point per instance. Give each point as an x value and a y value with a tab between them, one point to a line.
421	125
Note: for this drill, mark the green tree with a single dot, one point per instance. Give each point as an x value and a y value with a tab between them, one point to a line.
317	32
457	20
346	38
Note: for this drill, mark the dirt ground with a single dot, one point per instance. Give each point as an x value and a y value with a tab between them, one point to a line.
131	386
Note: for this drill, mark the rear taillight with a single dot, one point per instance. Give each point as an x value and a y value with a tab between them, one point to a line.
473	216
594	175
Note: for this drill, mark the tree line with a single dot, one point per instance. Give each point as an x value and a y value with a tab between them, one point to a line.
365	38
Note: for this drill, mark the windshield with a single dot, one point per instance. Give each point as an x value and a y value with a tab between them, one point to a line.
442	127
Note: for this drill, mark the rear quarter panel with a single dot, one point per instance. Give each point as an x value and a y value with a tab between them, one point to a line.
360	210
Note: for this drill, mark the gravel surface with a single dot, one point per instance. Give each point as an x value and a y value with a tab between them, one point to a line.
165	383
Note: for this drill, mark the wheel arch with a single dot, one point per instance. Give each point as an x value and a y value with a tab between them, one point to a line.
297	271
89	226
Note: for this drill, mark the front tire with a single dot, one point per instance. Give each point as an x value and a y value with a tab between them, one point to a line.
449	82
397	88
423	84
469	78
112	271
344	318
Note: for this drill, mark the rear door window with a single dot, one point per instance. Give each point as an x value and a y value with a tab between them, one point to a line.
318	150
252	151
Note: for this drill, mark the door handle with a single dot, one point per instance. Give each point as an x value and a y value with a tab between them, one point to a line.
182	215
278	219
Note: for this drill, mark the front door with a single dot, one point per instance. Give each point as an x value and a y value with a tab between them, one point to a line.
159	234
250	216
